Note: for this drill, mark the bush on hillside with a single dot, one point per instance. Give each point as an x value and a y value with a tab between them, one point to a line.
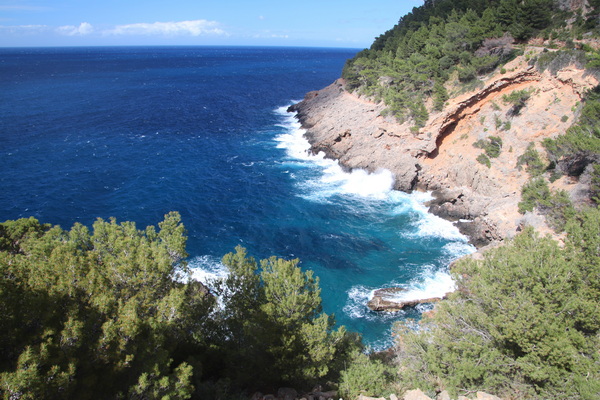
523	322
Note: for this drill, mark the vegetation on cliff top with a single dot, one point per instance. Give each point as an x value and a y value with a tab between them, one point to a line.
454	41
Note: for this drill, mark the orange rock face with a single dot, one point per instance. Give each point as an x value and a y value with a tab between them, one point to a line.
441	157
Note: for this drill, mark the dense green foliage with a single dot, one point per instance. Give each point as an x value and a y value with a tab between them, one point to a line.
366	375
95	315
271	328
113	314
574	151
450	40
531	159
524	321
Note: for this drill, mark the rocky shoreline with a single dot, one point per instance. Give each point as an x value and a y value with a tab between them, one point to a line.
482	201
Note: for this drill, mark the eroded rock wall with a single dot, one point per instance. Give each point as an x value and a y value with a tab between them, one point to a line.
441	157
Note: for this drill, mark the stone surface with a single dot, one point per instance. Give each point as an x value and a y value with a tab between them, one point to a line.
443	395
286	393
416	394
387	299
486	396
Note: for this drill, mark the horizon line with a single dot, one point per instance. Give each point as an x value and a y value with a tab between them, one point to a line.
177	45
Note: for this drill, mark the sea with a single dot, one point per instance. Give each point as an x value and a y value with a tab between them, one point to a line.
136	132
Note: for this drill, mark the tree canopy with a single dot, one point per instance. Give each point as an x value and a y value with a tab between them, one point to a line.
112	313
462	40
524	321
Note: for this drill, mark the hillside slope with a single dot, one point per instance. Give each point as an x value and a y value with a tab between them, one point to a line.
441	156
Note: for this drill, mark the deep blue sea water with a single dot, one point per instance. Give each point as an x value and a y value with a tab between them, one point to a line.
136	132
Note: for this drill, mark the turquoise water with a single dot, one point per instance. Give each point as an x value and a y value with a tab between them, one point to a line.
136	132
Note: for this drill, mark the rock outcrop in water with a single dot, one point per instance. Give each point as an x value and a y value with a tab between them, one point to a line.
387	299
440	157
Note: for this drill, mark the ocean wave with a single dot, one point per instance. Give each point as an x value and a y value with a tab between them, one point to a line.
455	250
207	269
428	285
428	225
401	215
356	305
333	180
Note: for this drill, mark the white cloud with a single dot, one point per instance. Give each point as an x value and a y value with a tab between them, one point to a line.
84	28
185	28
24	29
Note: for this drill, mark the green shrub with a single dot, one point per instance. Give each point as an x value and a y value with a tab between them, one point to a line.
483	159
555	206
466	74
440	96
522	324
533	194
492	146
554	61
595	184
518	99
366	376
531	158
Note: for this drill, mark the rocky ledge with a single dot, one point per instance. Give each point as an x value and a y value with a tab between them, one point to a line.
417	394
440	157
317	394
389	300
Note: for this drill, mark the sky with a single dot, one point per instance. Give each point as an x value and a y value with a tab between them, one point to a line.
311	23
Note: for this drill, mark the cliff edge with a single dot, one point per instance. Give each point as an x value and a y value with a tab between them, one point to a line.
442	157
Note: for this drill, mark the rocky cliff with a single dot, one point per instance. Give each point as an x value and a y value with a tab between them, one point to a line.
441	156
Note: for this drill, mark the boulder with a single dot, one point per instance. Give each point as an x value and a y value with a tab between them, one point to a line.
325	395
384	300
287	394
486	396
416	394
443	395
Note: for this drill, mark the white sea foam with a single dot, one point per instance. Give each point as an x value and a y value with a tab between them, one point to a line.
207	269
455	250
429	225
334	180
429	285
356	305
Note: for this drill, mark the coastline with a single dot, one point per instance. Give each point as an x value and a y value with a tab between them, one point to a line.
352	131
440	158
